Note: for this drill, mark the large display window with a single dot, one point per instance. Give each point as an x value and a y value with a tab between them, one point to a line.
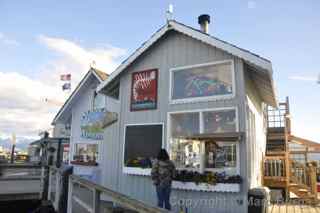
85	154
192	154
202	82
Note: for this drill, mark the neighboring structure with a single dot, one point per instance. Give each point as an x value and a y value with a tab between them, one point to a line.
202	99
85	114
36	149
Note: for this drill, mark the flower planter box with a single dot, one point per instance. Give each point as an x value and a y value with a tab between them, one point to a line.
137	171
219	187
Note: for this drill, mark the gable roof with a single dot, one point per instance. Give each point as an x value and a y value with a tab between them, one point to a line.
101	76
250	58
303	141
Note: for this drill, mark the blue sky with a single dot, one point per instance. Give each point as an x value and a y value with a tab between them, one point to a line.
34	36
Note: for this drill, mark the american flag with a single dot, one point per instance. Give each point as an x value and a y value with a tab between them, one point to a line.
66	86
65	77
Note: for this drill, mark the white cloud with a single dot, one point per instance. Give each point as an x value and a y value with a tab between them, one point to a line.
104	57
8	41
303	78
23	108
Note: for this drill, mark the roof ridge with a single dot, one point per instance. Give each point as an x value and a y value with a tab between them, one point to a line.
102	75
214	37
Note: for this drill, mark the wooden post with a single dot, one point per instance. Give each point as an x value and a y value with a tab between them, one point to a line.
49	185
70	194
58	159
96	201
313	178
57	194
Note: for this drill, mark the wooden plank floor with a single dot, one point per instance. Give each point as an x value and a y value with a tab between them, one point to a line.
289	208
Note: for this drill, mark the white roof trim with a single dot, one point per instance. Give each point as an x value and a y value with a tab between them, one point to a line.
74	93
135	55
243	54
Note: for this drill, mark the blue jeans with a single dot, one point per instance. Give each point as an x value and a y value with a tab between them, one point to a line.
163	193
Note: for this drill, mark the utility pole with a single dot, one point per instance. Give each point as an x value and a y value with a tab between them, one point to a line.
13	147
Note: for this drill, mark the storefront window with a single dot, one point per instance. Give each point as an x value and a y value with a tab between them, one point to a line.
190	153
219	121
210	80
220	155
185	124
85	154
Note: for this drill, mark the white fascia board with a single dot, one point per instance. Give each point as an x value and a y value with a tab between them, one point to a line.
245	55
134	56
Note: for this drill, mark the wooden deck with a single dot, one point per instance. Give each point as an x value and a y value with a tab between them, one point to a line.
289	208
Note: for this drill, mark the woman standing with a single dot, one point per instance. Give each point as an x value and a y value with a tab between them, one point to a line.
163	171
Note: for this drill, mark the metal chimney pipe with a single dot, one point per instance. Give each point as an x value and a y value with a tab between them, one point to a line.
204	21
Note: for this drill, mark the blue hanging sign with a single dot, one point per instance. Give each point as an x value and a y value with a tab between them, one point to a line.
93	122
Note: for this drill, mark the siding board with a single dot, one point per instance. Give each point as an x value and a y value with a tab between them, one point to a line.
173	50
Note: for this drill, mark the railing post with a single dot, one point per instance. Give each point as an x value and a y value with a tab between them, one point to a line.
70	194
313	179
96	201
50	185
57	192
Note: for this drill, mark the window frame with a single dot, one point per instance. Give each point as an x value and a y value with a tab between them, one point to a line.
95	94
205	98
138	170
98	161
201	128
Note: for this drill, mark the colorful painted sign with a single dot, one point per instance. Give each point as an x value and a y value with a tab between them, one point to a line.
144	90
93	123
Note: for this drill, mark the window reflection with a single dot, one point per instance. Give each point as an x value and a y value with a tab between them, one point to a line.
98	101
204	81
85	153
189	153
219	121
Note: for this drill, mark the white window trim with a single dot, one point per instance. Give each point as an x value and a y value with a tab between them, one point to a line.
206	98
94	95
85	142
138	170
229	170
201	131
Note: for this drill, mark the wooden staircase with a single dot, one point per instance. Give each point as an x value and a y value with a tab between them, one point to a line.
278	170
303	182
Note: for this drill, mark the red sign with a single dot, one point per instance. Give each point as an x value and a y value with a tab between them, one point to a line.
144	90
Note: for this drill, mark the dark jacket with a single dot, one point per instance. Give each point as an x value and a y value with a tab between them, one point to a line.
162	173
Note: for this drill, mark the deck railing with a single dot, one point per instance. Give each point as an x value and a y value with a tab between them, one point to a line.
20	181
304	175
274	167
54	186
85	196
19	171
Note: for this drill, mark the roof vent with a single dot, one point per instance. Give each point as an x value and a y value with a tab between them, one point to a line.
204	21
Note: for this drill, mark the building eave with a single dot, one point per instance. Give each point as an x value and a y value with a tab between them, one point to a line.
253	59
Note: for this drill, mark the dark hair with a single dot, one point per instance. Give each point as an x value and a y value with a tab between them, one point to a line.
163	155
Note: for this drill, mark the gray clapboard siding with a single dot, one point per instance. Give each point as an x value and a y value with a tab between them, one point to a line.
171	51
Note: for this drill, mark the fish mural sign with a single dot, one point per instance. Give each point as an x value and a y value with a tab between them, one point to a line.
93	122
144	90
